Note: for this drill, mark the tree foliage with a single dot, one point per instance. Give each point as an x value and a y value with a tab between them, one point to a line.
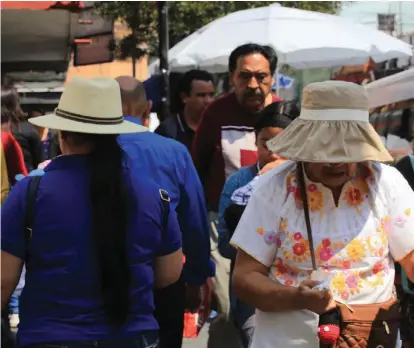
185	17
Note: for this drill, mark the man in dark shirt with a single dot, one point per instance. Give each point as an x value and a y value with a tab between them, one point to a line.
195	91
225	141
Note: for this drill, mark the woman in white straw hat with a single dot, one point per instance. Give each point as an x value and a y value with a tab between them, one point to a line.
95	236
320	231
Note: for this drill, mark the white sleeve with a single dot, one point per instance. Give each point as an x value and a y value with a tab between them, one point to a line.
401	210
256	233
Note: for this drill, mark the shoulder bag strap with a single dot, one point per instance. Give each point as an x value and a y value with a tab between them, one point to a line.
30	206
302	187
165	201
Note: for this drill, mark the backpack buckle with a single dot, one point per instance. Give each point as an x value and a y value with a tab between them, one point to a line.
29	233
164	195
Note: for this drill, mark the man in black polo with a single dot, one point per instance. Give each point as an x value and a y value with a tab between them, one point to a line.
194	92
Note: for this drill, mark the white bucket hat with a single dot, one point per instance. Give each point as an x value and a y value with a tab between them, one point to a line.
333	127
89	106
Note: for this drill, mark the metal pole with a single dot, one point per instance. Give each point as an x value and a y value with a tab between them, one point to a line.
163	52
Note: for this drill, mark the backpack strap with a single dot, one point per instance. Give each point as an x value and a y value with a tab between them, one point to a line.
412	160
30	206
165	201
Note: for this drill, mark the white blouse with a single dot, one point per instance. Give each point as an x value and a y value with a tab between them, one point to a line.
356	241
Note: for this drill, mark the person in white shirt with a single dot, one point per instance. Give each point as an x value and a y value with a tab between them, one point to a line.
361	219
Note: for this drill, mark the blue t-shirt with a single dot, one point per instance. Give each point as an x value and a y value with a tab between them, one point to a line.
61	300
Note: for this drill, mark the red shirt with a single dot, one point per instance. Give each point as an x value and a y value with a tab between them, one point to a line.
14	156
224	142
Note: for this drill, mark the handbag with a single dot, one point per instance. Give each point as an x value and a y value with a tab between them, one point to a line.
361	326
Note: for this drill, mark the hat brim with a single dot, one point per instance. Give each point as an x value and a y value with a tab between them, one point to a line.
329	142
53	121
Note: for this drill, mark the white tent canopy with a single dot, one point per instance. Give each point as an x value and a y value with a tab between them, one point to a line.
301	39
391	89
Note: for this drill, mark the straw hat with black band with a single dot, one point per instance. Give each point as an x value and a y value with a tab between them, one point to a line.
89	106
333	127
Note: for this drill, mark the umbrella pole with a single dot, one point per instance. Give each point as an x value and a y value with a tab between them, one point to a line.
163	52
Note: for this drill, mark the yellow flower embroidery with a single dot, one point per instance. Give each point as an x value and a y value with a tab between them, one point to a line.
346	284
339	283
376	245
385	226
407	212
356	250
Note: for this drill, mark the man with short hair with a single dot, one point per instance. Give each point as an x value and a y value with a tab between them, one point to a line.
170	164
195	91
225	139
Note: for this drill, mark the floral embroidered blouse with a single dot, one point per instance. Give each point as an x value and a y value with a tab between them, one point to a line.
356	241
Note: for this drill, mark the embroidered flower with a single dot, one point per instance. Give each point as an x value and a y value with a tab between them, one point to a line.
325	254
326	242
299	249
356	250
385	225
281	268
260	231
352	281
339	283
291	182
297	236
378	267
270	237
375	245
407	212
279	242
353	197
400	221
345	295
315	201
288	282
346	265
312	188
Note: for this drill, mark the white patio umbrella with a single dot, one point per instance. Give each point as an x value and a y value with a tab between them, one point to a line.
391	89
302	39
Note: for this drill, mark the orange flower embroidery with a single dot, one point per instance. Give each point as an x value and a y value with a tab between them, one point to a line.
315	200
260	231
353	196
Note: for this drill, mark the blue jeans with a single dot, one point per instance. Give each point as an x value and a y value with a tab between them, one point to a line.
145	340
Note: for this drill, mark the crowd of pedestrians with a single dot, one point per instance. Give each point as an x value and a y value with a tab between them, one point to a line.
122	231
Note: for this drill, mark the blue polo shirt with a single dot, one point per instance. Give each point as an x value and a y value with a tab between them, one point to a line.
169	163
61	300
